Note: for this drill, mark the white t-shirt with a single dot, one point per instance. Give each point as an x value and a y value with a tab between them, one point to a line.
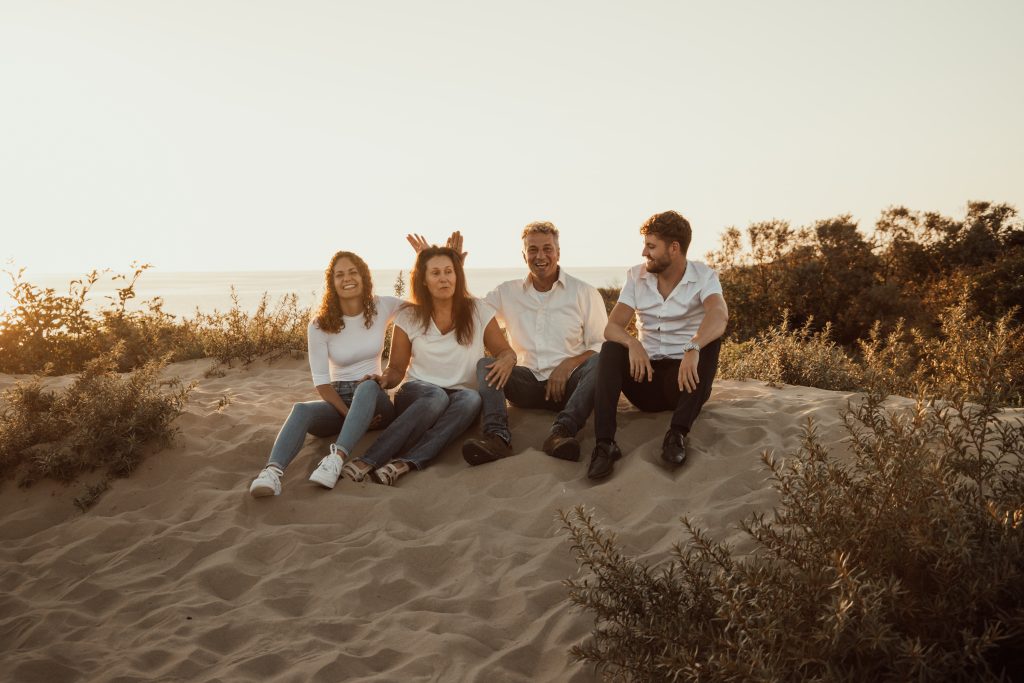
355	351
439	358
664	325
545	328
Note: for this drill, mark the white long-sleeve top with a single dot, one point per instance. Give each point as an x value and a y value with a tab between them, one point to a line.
355	351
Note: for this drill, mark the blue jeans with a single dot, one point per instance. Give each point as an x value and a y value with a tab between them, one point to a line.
523	390
429	417
365	400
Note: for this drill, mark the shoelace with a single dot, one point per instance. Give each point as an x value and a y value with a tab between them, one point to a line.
331	462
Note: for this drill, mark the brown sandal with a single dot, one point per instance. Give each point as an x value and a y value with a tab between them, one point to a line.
390	473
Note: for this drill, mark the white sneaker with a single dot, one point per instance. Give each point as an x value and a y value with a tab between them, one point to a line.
327	472
267	484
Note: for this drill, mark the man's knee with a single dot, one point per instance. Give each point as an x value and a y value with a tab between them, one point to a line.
483	365
613	352
590	364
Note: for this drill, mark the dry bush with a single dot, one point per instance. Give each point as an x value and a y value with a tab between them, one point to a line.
63	332
950	362
781	355
103	420
902	562
272	331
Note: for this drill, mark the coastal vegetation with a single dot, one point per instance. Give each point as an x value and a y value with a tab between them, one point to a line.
103	420
899	558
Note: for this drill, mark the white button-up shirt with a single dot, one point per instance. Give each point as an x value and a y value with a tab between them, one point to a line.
545	328
665	324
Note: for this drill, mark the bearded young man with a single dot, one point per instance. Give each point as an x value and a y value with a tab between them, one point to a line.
671	364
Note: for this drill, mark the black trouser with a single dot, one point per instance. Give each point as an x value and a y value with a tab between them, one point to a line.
660	394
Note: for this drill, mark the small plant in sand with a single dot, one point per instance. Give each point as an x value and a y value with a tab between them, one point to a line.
272	331
103	420
782	355
902	560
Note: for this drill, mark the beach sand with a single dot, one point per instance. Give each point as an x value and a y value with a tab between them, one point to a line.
177	574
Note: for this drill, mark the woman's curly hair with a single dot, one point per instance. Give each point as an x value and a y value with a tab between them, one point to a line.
328	316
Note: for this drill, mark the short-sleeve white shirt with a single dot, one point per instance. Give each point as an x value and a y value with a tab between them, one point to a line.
545	328
664	325
439	358
355	351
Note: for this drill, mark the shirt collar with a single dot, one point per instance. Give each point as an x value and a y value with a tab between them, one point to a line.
527	282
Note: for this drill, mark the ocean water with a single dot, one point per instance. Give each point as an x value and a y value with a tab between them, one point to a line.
184	293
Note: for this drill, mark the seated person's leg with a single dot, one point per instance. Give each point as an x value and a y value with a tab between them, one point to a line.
579	396
612	373
319	418
689	404
463	407
418	404
612	376
521	388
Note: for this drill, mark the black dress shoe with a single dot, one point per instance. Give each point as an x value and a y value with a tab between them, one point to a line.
561	444
603	460
487	449
673	448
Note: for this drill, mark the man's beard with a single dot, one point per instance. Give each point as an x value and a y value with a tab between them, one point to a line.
656	266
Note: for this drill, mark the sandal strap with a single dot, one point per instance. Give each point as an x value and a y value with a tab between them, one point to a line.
353	472
388	474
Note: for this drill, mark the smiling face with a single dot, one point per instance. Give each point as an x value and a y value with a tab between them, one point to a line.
348	282
540	251
657	254
440	277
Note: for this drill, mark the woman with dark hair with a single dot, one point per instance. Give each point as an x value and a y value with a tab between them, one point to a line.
438	338
345	339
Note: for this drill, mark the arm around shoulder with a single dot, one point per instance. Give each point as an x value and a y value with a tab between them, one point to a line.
398	359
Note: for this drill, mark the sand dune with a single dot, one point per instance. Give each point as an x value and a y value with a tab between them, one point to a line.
453	575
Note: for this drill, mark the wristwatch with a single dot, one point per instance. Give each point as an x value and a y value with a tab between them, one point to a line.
691	346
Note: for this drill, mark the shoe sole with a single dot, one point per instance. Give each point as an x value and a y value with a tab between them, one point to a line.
473	455
326	483
567	450
262	492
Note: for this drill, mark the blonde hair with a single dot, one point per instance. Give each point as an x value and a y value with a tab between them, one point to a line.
541	227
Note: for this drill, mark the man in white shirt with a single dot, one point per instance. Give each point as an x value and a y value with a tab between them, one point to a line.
670	365
555	324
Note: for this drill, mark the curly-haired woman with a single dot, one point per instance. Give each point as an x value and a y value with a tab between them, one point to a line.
346	339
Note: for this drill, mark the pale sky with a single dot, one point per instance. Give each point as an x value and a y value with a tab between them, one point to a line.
240	135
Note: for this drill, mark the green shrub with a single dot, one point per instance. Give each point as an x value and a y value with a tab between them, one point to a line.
270	331
965	357
781	355
103	420
902	560
62	333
